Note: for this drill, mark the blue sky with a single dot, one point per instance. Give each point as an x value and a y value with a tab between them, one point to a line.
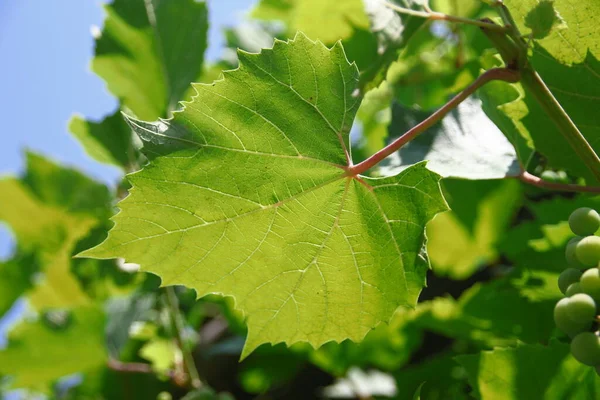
46	47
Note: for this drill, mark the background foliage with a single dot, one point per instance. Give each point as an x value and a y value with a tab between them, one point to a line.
482	327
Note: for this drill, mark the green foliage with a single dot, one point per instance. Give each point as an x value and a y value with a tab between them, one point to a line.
303	261
530	372
143	52
108	141
36	353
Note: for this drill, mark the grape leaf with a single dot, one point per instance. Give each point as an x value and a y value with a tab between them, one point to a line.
542	18
465	144
108	141
39	353
150	51
576	40
466	238
326	20
530	372
567	61
246	196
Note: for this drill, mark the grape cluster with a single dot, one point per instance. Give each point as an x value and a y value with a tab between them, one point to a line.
577	314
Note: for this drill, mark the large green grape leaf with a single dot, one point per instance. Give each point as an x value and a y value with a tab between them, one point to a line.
38	352
247	196
530	372
150	51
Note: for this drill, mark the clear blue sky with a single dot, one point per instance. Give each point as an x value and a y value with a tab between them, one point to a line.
46	48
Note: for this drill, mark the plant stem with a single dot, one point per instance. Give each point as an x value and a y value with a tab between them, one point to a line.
563	187
534	85
188	360
433	15
503	74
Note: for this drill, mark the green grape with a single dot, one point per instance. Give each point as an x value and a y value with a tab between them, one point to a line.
585	347
568	277
566	324
590	282
570	253
581	308
573	289
597	370
584	221
587	250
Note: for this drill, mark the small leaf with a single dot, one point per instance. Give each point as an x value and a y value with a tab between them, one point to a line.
108	141
161	353
247	196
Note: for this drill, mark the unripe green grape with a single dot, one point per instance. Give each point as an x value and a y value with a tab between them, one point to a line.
581	308
568	277
590	282
587	250
585	347
566	324
570	253
584	221
573	289
549	176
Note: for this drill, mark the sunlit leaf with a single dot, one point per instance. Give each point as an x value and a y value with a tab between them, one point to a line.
247	196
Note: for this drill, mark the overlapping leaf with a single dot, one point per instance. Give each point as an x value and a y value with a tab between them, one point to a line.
567	60
247	196
143	52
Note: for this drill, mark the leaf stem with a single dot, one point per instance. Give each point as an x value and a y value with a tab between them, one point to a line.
530	179
503	74
188	360
433	15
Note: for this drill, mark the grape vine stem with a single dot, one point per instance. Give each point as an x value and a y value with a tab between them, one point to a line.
438	16
503	74
530	179
178	325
